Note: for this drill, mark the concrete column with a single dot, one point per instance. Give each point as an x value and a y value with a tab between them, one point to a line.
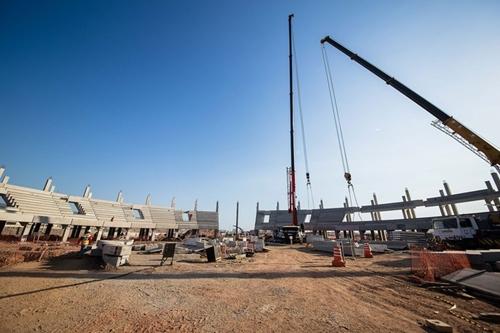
26	230
495	201
377	213
111	233
32	226
446	206
441	209
411	210
448	192
119	232
99	233
405	215
48	185
153	236
496	179
48	230
66	233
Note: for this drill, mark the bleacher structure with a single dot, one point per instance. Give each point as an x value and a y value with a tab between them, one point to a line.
26	212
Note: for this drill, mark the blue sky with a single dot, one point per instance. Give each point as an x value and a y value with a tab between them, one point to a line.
190	98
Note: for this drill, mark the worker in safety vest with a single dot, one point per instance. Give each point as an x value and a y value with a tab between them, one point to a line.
85	241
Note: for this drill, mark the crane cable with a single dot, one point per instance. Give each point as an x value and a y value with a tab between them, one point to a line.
338	129
310	197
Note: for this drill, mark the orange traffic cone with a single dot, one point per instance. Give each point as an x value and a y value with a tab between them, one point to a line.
368	251
337	261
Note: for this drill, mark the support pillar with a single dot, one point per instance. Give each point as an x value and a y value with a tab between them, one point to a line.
495	201
448	192
441	209
111	233
410	210
2	225
153	237
47	231
26	231
99	233
446	206
405	213
66	233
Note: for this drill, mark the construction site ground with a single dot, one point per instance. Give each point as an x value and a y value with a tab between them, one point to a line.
289	288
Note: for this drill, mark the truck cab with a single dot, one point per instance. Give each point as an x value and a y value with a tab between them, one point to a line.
455	228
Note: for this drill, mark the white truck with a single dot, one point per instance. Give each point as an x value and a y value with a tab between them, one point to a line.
467	232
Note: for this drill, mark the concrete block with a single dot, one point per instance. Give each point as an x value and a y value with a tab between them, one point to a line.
323	245
475	258
116	250
310	238
491	255
115	261
438	325
378	248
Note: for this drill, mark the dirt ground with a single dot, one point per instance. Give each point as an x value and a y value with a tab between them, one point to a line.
287	289
14	252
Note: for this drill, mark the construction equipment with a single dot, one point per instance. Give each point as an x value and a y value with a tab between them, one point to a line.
467	232
288	234
444	122
292	208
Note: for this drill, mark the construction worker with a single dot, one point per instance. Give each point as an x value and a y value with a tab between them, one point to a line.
85	241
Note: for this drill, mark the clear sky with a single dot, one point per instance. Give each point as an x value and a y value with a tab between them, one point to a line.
190	98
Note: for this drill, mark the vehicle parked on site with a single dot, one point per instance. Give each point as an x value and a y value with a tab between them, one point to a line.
468	232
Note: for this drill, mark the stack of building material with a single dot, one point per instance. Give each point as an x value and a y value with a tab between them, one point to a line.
195	244
378	247
484	259
323	245
477	280
410	237
347	247
310	238
115	253
260	245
